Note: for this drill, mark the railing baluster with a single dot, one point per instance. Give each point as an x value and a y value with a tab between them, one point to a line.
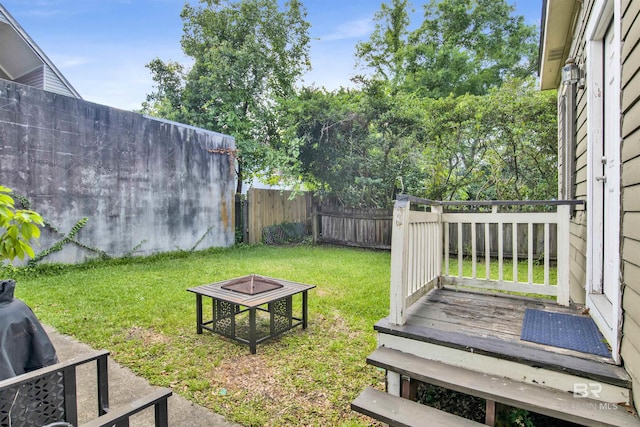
487	252
413	256
500	251
424	261
514	250
530	253
474	258
460	249
547	238
446	248
426	271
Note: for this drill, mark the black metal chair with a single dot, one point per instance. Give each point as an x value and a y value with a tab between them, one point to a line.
48	396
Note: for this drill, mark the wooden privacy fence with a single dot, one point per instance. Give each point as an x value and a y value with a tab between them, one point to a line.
270	207
480	233
365	228
371	228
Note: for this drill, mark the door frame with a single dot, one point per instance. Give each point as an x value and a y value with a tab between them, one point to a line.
606	312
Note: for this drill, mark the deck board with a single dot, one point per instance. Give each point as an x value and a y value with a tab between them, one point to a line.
490	323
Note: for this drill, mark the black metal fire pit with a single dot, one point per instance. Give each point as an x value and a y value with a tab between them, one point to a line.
253	293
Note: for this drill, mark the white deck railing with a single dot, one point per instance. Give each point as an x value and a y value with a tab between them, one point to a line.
425	255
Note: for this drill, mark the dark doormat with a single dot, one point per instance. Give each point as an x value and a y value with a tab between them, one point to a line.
578	333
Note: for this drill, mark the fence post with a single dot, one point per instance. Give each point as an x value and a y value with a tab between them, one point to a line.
315	228
245	220
399	257
563	258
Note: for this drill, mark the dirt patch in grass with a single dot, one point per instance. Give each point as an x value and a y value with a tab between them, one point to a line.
148	336
294	378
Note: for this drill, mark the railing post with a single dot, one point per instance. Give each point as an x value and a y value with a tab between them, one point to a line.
399	257
563	269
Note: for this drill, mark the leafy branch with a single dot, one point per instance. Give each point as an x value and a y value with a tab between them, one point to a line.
18	227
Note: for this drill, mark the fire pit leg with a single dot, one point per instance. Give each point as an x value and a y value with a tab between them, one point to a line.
252	329
304	310
199	313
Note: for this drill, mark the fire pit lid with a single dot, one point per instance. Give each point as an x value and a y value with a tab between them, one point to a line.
252	284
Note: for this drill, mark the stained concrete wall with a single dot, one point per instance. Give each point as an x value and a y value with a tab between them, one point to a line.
142	183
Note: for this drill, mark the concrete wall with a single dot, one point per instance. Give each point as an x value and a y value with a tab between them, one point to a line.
139	181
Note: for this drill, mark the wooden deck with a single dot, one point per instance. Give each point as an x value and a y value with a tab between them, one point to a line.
490	323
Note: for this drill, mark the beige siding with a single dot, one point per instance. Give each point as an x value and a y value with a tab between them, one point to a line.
631	200
631	226
631	252
631	92
630	124
579	222
630	353
631	303
631	172
630	57
578	259
631	146
561	153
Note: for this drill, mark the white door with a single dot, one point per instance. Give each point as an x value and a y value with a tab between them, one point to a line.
603	198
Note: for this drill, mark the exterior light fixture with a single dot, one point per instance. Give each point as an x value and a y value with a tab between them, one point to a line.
570	72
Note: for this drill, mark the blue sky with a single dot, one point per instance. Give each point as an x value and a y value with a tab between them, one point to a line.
102	46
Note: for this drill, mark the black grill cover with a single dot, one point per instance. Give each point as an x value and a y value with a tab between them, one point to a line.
24	345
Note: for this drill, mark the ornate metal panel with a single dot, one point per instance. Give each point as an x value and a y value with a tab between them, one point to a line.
281	315
224	318
35	403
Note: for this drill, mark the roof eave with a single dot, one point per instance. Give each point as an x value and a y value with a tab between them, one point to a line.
558	23
39	52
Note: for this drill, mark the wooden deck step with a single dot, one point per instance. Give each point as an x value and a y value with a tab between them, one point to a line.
539	399
397	411
512	351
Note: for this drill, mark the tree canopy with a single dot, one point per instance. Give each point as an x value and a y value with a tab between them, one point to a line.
451	110
365	146
248	55
461	46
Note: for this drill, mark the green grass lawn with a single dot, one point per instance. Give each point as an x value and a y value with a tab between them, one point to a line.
140	311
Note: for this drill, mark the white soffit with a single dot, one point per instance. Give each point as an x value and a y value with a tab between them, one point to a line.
558	24
20	55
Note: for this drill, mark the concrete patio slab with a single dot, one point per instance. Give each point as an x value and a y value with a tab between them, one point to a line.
125	387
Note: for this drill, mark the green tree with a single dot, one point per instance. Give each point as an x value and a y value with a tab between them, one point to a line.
362	147
385	52
462	46
499	146
523	119
17	228
248	55
358	146
330	131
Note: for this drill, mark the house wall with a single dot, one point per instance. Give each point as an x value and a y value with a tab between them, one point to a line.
578	228
143	184
630	156
630	181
